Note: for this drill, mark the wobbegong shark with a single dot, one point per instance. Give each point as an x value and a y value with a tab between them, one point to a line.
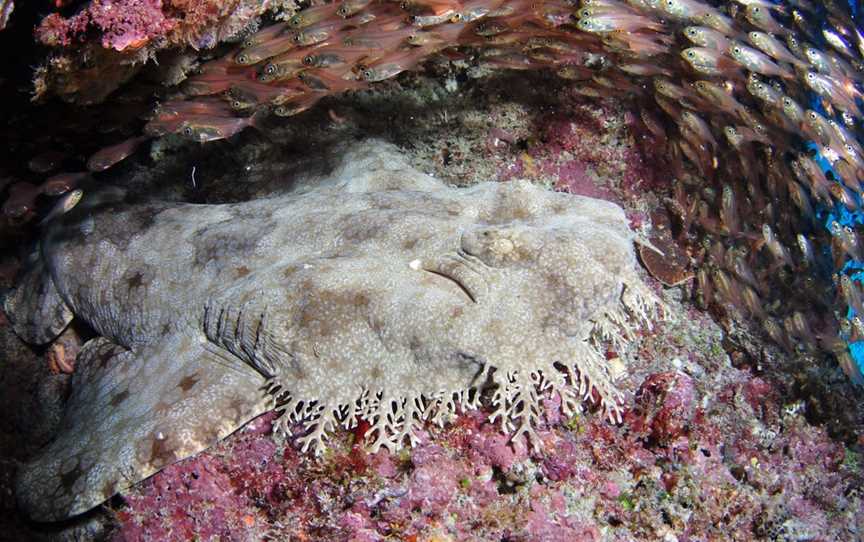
377	294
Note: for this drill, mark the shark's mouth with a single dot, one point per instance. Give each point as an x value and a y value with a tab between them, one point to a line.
463	270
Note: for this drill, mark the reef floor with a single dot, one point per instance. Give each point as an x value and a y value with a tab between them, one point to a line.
726	437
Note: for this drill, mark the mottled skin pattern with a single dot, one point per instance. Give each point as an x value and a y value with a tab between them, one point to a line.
379	294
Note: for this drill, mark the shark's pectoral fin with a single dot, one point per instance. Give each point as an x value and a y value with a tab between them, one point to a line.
34	307
131	413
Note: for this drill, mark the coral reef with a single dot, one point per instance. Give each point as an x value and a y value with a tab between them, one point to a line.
593	479
106	42
748	177
723	101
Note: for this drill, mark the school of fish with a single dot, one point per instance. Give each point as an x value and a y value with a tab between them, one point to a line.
753	106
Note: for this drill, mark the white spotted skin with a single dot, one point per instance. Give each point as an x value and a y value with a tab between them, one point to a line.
378	282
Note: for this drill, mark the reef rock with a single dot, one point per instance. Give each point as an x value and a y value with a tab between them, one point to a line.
377	294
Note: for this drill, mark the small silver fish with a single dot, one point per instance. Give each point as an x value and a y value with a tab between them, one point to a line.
807	254
775	247
852	294
63	205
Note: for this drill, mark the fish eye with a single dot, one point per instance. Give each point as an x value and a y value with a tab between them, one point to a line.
242	58
456	18
342	11
736	50
298	38
270	69
367	74
811	76
187	131
308	60
236	104
757	9
691	54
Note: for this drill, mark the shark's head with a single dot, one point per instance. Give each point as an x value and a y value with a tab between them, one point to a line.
536	281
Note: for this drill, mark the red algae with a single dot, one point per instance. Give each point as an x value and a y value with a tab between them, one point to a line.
665	406
122	24
708	474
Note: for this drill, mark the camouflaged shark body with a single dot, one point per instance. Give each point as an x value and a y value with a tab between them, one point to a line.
380	294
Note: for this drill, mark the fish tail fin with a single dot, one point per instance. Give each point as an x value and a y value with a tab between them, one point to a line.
34	307
257	118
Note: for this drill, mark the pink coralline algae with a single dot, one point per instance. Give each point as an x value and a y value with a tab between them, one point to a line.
665	406
578	153
703	470
208	498
127	25
548	521
121	24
